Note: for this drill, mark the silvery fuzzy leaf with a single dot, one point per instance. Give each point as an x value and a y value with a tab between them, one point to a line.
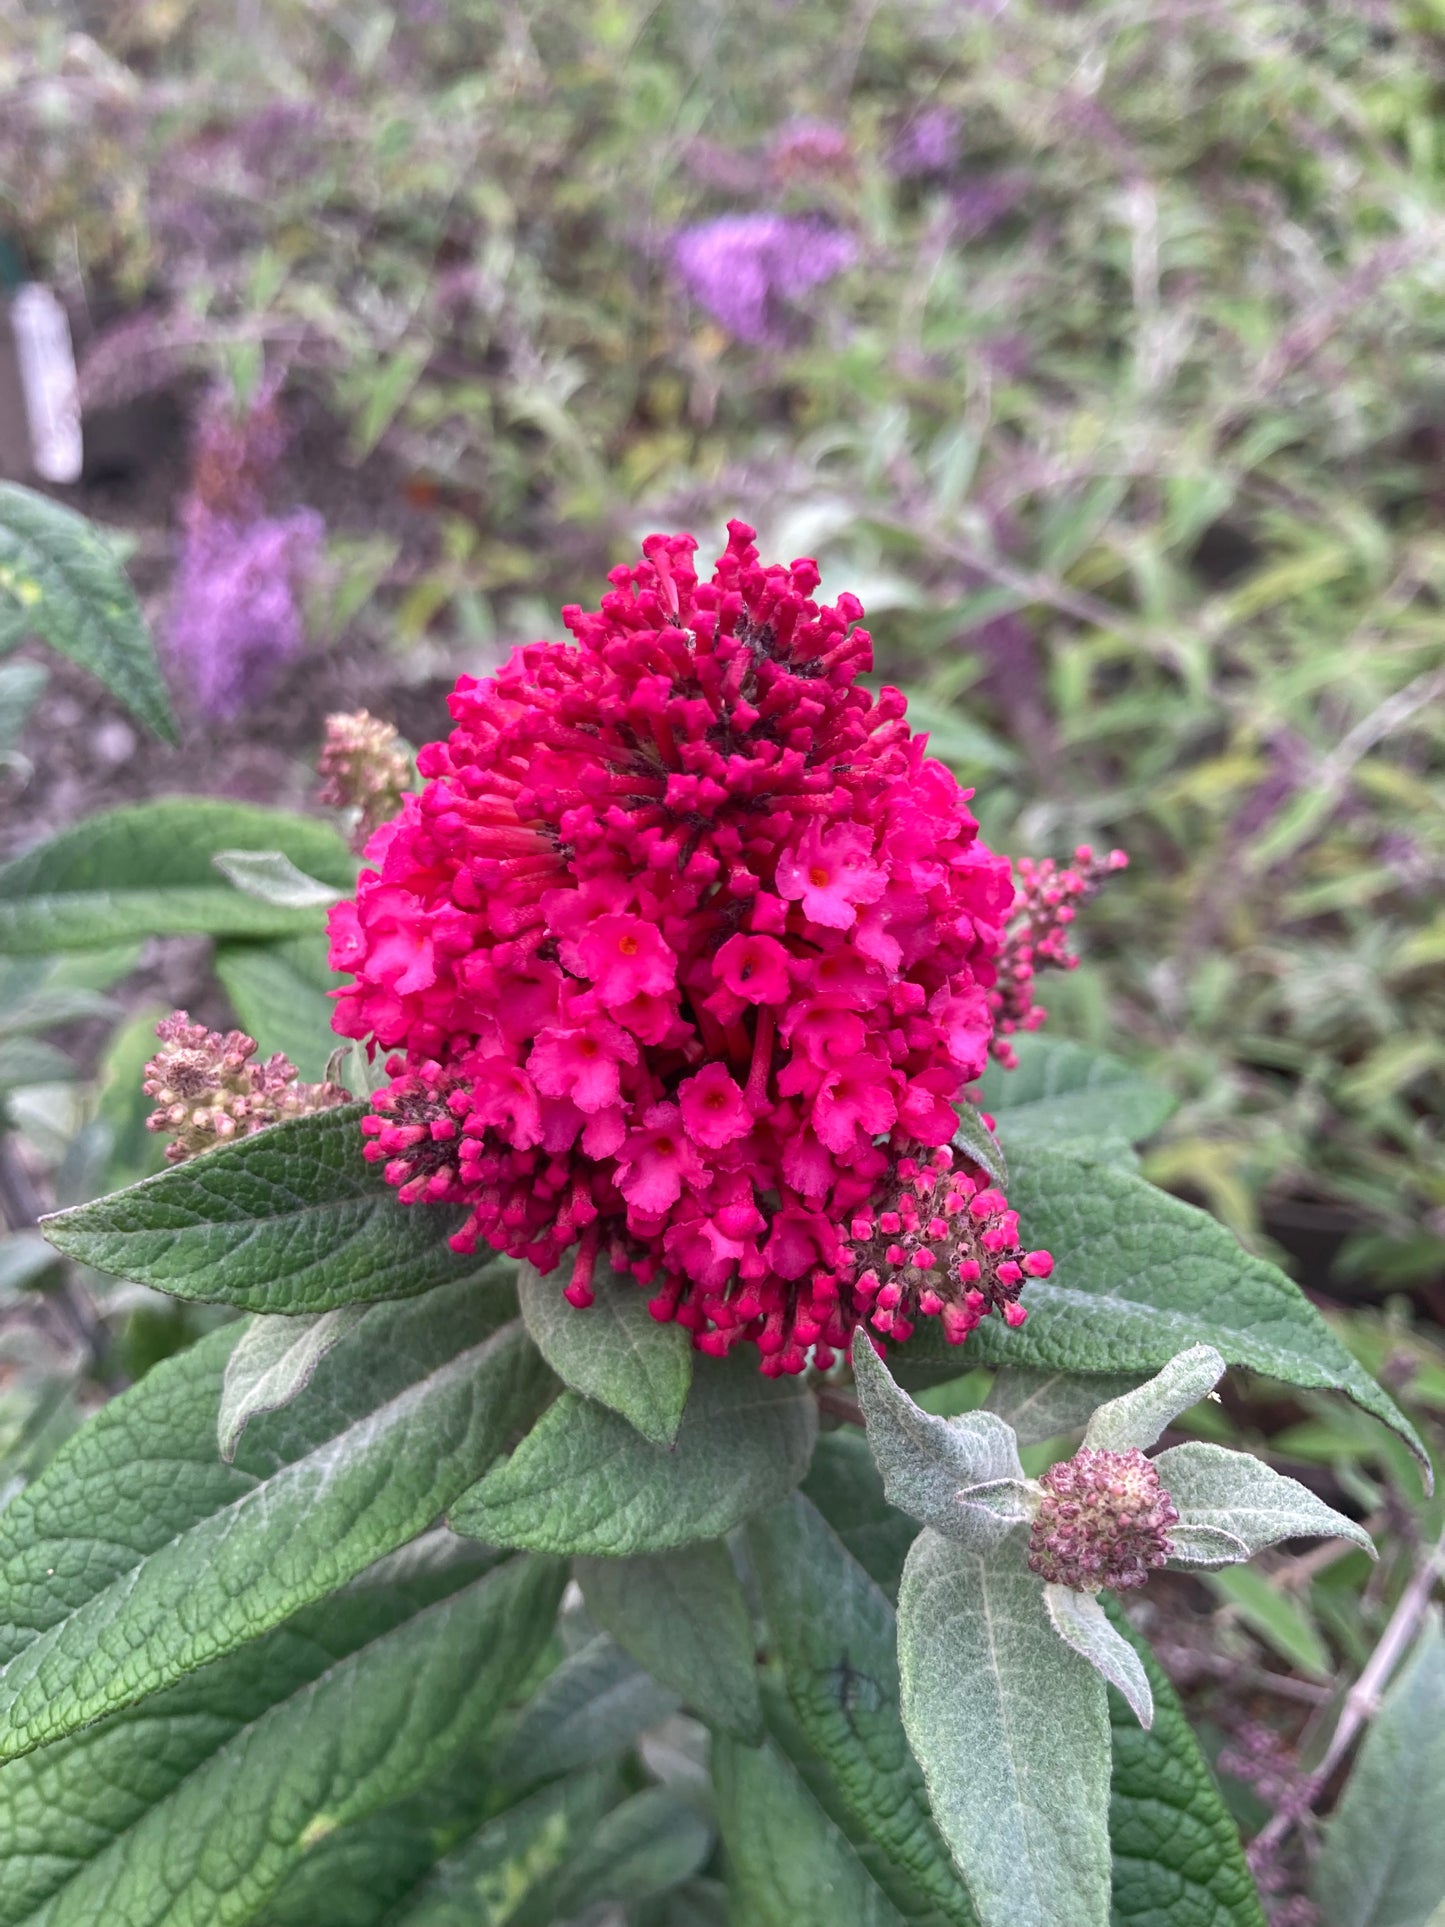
1235	1493
1135	1421
1080	1621
961	1476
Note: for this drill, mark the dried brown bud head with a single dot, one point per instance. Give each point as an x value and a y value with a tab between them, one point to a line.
1103	1520
208	1091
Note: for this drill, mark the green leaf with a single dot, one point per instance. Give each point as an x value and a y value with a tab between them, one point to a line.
614	1350
506	1874
1135	1420
192	1811
1236	1493
138	1555
682	1615
1139	1275
650	1843
278	992
1064	1093
30	1060
146	871
987	1679
1176	1855
60	580
21	684
1282	1622
1081	1622
271	877
591	1706
790	1865
1041	1403
290	1220
274	1361
1383	1861
846	1486
584	1481
960	1475
835	1638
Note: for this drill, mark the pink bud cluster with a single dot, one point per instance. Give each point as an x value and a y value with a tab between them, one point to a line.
365	771
943	1244
684	945
1103	1520
208	1091
1038	934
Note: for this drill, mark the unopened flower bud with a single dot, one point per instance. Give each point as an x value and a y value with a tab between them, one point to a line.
366	771
1103	1520
208	1091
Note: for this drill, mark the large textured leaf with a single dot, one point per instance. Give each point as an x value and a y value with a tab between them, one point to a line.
290	1220
278	992
146	871
60	580
191	1811
844	1483
139	1555
682	1615
1065	1093
1042	1403
835	1639
614	1351
1177	1858
583	1480
650	1843
790	1865
1383	1863
1139	1276
1011	1728
591	1706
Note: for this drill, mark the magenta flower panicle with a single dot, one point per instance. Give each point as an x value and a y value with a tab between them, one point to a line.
684	954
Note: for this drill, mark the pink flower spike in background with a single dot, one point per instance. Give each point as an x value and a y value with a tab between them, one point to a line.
684	955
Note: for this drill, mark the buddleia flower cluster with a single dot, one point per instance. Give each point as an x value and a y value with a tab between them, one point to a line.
684	954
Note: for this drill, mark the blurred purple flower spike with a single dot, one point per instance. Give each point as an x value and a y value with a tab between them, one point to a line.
237	611
927	144
236	614
742	267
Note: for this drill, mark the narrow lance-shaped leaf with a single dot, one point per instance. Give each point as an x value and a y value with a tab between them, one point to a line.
1134	1421
585	1481
612	1350
1139	1276
986	1678
961	1475
591	1706
146	870
290	1220
1081	1622
61	580
1383	1862
791	1865
835	1637
682	1615
213	1847
138	1555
